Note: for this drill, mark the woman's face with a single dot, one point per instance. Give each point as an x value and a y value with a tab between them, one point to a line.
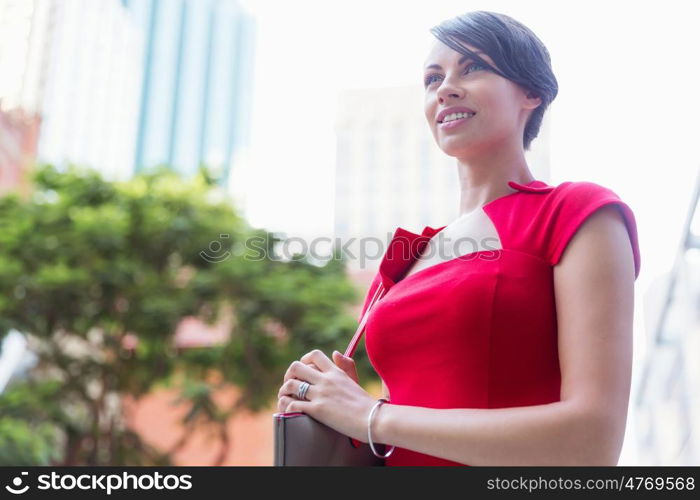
501	106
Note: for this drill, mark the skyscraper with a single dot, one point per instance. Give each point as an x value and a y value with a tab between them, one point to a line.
197	82
122	85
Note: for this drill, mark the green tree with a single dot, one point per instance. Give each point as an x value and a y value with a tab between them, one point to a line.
87	266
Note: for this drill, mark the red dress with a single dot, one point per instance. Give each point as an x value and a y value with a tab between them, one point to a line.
480	330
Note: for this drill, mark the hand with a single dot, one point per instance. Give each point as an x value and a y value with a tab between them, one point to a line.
347	365
334	398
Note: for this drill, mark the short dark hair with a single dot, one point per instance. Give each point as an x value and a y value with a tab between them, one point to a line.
513	47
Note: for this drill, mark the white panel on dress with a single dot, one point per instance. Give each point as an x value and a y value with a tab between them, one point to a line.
469	233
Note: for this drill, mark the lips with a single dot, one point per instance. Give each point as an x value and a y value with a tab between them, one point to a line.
467	117
456	109
453	123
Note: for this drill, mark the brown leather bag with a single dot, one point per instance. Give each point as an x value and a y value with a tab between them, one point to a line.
302	440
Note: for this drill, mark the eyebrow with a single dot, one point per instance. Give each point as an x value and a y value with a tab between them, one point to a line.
460	62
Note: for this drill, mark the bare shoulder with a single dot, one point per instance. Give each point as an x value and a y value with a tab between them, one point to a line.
594	294
603	234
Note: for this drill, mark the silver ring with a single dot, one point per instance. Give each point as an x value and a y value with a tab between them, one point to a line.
303	388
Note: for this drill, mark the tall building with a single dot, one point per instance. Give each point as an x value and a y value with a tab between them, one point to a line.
390	172
196	84
122	85
21	51
667	404
78	66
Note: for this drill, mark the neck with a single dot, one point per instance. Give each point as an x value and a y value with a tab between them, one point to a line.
483	178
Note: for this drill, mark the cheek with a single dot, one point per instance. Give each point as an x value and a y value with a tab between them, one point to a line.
501	101
429	111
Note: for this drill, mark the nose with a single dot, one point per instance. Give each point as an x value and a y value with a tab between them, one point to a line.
448	90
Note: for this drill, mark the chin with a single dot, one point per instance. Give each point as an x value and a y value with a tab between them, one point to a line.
466	148
458	150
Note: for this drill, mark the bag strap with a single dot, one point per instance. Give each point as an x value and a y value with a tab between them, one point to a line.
361	328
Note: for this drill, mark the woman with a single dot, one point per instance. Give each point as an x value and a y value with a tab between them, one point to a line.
519	351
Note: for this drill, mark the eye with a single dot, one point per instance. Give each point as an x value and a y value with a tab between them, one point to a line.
429	79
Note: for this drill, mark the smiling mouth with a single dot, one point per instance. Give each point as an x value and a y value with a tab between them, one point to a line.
468	115
448	125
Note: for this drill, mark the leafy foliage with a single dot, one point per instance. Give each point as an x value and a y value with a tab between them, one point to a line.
99	274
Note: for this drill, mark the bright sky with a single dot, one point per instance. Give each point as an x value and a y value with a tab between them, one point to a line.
625	116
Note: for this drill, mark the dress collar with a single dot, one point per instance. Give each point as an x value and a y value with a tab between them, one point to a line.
535	186
406	246
403	249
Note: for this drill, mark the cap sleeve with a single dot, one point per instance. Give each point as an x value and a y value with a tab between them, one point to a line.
575	202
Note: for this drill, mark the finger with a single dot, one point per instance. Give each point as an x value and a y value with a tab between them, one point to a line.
287	405
343	360
283	403
303	371
300	406
318	358
291	388
346	364
286	389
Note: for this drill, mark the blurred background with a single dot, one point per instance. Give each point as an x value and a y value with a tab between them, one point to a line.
145	143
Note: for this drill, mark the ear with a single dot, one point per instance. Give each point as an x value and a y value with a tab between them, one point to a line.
533	100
